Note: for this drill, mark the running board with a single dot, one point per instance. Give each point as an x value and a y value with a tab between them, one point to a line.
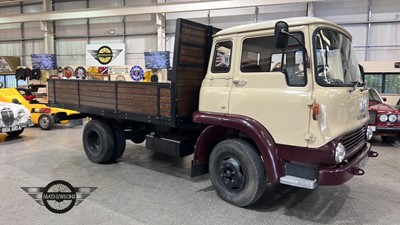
299	182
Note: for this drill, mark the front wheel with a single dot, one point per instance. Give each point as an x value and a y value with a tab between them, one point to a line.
237	172
15	133
46	121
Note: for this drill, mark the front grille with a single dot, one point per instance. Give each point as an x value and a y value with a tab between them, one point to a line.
372	117
8	116
354	138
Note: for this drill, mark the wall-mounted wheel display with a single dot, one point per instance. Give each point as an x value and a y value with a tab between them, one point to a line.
68	72
80	72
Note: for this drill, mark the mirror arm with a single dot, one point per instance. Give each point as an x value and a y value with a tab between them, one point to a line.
307	59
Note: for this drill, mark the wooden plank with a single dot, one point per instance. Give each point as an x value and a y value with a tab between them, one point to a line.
96	89
187	90
190	83
191	60
190	39
66	96
66	91
198	31
137	97
165	100
186	108
97	94
165	114
136	85
137	103
132	109
66	86
66	100
98	104
190	51
165	107
97	99
164	92
188	98
141	91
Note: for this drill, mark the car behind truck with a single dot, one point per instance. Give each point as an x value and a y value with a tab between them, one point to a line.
272	102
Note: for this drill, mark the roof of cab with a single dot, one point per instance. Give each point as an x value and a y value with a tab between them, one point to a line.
294	21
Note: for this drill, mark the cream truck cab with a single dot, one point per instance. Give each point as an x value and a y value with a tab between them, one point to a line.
299	91
273	102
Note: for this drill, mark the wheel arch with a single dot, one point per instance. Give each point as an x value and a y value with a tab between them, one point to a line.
218	129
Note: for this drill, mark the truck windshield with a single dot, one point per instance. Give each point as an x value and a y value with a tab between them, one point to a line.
336	63
374	96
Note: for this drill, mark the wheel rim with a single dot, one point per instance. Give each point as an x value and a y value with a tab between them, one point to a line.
94	142
231	174
44	122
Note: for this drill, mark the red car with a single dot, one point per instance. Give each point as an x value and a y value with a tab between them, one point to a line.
384	119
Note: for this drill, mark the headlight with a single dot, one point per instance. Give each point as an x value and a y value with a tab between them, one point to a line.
383	118
21	112
392	118
369	133
340	152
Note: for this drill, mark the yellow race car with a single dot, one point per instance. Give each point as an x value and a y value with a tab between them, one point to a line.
41	114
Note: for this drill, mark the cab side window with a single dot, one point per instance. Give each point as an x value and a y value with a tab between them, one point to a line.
260	55
222	57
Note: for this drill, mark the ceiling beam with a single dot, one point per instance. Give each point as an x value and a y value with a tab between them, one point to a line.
140	10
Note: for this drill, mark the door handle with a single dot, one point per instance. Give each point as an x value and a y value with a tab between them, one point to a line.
240	82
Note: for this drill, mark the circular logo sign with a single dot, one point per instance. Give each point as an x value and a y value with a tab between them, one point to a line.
59	196
80	72
104	55
136	73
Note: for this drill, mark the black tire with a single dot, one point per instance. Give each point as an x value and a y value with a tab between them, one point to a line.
15	133
389	139
119	140
98	141
46	121
237	172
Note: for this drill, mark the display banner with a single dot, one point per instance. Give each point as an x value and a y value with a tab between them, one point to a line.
105	54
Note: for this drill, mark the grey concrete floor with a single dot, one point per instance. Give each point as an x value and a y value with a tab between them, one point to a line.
148	188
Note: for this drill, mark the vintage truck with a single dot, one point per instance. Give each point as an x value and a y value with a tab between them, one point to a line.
254	104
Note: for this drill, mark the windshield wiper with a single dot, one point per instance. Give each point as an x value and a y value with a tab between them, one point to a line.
356	83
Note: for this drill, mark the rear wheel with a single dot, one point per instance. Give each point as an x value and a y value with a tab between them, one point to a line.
46	121
98	141
15	133
389	139
237	172
119	140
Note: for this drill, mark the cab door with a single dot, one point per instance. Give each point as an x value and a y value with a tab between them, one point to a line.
270	85
215	89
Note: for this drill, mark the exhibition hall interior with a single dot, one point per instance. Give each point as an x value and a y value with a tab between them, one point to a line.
199	112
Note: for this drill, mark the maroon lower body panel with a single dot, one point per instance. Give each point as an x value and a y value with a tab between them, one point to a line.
339	175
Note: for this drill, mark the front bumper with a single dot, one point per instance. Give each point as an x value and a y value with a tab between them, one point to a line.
340	174
385	131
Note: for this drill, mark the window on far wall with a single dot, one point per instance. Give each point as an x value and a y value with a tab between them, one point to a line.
384	82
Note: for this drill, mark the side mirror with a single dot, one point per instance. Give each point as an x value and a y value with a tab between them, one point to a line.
362	72
281	34
384	99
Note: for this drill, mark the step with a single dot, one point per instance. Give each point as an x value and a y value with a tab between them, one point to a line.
299	182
